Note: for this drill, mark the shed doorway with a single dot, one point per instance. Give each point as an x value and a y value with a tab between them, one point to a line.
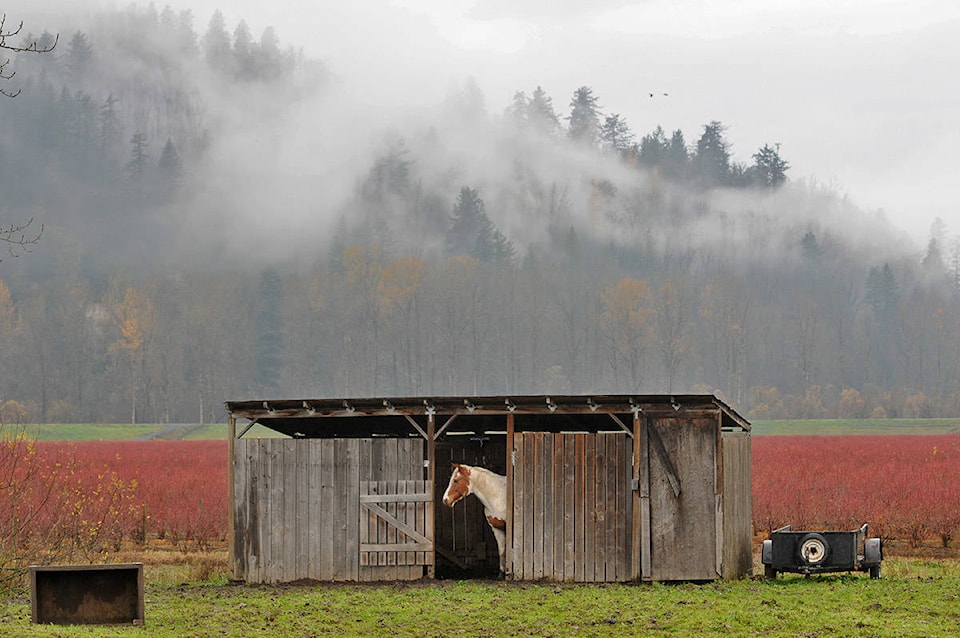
464	544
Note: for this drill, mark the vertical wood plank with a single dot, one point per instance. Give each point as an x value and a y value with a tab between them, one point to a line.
549	486
569	506
352	517
511	518
529	514
327	508
634	529
624	506
431	476
289	514
592	507
580	509
239	510
519	498
301	511
311	513
600	461
646	561
538	506
558	507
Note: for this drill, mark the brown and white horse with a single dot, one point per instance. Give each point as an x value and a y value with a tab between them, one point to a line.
491	489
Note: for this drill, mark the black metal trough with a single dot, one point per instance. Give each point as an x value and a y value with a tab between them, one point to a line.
807	552
87	594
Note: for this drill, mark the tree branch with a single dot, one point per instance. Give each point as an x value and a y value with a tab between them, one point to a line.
17	238
31	47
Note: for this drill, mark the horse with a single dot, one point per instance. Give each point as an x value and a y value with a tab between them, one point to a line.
491	489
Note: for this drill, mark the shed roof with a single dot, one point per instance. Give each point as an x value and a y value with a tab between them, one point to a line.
404	416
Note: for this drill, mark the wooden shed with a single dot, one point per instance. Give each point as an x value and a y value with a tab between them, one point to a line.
599	488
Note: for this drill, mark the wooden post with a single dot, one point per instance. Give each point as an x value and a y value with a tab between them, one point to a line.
644	499
635	534
231	498
431	483
508	558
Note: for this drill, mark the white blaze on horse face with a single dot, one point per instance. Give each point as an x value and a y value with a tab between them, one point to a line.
458	487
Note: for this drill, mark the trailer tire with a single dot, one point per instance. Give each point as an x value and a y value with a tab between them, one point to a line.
813	550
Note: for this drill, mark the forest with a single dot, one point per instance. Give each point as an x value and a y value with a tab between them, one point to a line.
198	214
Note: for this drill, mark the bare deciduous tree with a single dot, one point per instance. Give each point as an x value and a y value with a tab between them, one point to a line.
29	47
17	236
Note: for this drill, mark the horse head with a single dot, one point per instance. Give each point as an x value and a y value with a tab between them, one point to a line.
459	485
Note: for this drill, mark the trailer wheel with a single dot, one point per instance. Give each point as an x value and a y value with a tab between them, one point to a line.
813	549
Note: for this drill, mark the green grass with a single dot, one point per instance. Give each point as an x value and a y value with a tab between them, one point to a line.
837	605
127	432
857	426
84	431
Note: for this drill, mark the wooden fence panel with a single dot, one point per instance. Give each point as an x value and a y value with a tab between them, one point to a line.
572	507
298	508
737	505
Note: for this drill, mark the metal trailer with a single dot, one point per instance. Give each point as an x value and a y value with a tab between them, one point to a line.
806	552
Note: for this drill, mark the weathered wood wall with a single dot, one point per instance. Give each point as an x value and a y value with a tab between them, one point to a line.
737	505
297	506
683	528
572	507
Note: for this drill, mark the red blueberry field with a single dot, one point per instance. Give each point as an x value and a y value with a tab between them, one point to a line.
100	495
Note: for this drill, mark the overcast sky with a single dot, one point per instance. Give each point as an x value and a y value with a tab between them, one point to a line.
859	95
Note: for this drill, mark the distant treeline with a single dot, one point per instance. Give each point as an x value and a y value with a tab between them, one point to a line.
519	253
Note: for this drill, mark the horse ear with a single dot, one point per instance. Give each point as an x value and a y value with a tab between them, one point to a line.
454	465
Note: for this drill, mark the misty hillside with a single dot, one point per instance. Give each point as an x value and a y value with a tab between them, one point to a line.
225	219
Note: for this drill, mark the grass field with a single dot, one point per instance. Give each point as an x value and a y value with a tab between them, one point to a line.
126	432
857	426
919	598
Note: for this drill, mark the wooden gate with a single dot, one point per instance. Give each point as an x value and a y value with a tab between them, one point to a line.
572	507
679	499
396	525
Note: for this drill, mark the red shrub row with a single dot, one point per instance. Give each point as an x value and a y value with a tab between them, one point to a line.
905	487
175	490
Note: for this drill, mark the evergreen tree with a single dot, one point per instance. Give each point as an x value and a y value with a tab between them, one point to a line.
810	247
654	148
390	173
170	165
184	35
111	132
883	291
137	166
540	113
712	158
79	56
769	168
243	51
616	136
518	110
216	43
584	117
472	233
677	156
